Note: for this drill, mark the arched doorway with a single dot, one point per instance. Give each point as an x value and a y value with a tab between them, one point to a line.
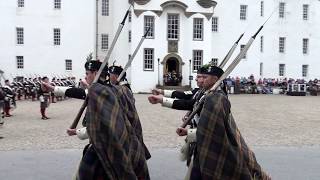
172	70
172	64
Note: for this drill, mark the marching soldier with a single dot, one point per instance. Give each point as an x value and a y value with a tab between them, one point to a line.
114	137
114	72
116	149
220	152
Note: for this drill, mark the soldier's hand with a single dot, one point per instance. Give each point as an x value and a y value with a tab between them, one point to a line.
157	91
71	132
184	118
153	99
182	131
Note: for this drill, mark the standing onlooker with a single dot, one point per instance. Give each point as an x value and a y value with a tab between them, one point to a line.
1	106
9	95
44	98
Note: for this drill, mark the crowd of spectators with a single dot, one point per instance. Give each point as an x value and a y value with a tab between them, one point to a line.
172	78
250	85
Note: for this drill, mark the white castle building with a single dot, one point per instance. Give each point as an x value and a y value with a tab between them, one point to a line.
184	35
45	37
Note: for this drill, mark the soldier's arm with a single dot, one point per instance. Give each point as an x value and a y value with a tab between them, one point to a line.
182	95
81	133
72	92
179	104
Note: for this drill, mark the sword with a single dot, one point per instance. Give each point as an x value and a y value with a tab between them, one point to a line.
105	62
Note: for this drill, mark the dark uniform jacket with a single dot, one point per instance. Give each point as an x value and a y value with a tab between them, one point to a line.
186	102
183	94
221	152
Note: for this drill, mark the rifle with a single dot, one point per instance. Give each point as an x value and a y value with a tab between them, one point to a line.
225	74
105	62
223	63
133	55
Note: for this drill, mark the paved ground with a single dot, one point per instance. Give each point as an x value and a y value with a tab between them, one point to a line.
283	163
282	130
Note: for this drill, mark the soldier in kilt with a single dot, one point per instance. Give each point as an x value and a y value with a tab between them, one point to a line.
221	152
116	149
44	98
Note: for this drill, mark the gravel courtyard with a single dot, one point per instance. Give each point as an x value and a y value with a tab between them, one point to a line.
264	120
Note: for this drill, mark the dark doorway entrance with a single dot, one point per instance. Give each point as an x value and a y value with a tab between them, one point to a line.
172	76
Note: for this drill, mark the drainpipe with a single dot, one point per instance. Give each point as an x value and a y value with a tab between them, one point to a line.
97	31
190	77
159	71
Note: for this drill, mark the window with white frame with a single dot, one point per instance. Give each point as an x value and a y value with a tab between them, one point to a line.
149	22
20	62
261	43
241	48
56	36
197	59
129	36
305	45
173	26
198	29
215	24
20	3
105	8
281	9
305	12
214	61
243	12
57	4
261	69
20	35
104	41
305	70
282	44
282	69
261	8
68	64
148	58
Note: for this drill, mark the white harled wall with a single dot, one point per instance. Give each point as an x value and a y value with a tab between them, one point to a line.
38	18
77	22
293	27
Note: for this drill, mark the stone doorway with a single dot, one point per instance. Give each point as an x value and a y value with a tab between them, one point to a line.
172	70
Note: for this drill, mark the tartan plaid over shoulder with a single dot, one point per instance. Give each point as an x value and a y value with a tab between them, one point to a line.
113	138
128	103
221	151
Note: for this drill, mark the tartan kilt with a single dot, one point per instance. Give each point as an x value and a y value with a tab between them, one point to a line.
45	102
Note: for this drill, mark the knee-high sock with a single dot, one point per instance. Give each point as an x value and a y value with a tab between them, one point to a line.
43	112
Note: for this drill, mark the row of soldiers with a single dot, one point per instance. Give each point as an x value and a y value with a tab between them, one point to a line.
29	88
215	148
116	149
